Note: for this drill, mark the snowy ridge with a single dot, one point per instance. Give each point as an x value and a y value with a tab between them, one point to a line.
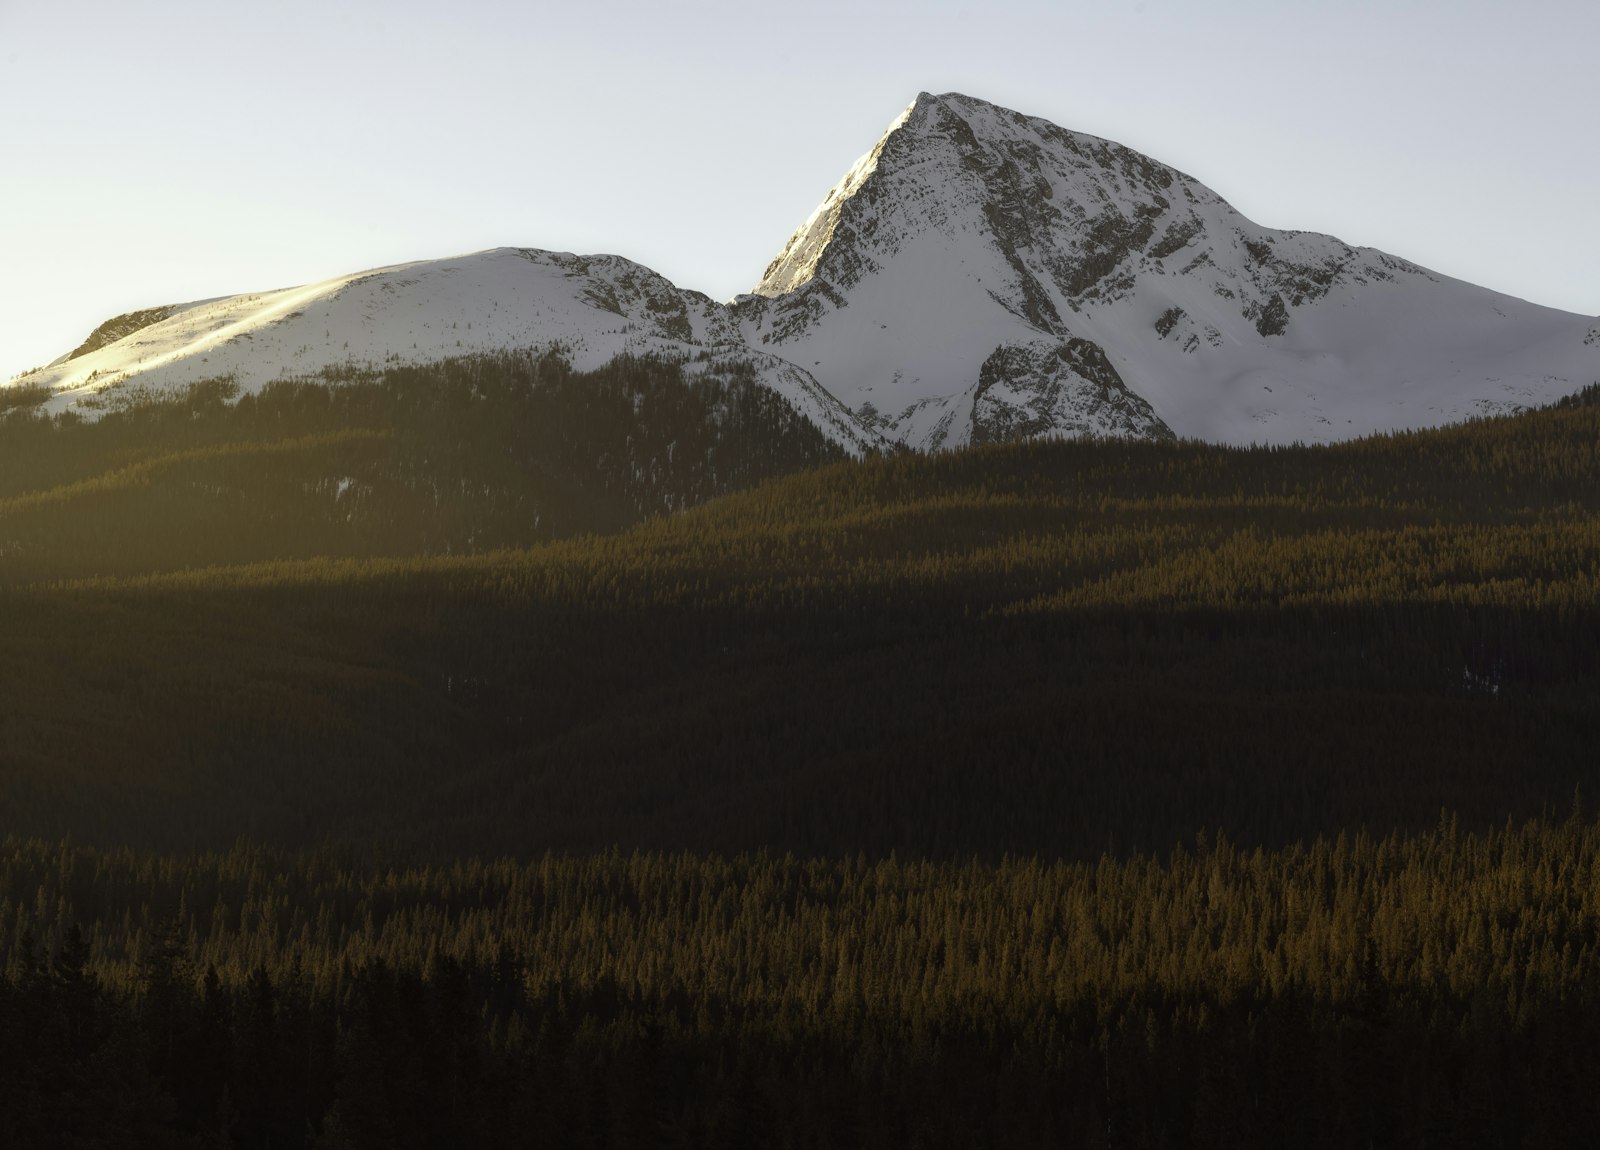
797	263
970	229
593	308
978	275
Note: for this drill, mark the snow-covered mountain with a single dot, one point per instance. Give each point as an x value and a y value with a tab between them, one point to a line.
594	308
979	275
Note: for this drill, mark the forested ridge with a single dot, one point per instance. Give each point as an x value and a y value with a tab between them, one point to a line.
681	791
465	455
1056	648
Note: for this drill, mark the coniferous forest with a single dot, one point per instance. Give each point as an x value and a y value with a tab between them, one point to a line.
496	754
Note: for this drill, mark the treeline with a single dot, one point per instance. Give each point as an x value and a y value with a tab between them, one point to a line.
455	457
1434	989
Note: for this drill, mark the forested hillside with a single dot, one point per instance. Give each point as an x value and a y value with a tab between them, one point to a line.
465	455
1050	793
1055	647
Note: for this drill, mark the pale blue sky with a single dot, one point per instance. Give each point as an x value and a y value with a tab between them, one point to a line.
158	152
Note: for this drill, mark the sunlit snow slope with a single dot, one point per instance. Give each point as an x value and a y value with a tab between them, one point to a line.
594	308
982	274
979	275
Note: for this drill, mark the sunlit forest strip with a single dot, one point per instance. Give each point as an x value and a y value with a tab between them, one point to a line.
1398	989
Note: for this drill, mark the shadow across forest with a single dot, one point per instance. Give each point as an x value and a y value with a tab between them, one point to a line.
488	752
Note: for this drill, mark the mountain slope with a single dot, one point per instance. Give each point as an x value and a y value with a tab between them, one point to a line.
972	244
592	308
979	276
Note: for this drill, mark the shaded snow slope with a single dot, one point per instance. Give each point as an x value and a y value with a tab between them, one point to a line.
979	275
971	232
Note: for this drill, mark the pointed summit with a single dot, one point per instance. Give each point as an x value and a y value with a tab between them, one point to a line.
984	274
950	163
796	265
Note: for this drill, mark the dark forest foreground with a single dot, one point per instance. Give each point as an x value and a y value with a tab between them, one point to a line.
369	632
1435	989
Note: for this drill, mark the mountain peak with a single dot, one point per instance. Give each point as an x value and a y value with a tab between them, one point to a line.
797	263
975	254
951	163
977	275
